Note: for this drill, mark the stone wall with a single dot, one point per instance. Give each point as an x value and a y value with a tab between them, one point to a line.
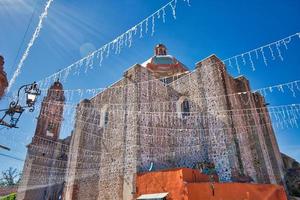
44	171
137	125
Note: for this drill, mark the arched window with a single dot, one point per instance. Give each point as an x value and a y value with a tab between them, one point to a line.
185	108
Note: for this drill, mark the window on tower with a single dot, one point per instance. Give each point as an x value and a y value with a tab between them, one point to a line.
50	129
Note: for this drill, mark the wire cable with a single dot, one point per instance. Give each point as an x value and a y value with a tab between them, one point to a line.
24	36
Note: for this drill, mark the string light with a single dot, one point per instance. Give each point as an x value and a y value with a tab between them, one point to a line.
95	91
116	44
285	41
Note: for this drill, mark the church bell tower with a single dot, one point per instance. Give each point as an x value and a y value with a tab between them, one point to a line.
51	113
46	153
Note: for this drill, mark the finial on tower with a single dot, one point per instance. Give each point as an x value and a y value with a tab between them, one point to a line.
160	50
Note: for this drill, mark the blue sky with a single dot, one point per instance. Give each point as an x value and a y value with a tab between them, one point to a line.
224	28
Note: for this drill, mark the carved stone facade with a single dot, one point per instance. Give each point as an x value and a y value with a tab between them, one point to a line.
160	116
3	78
44	169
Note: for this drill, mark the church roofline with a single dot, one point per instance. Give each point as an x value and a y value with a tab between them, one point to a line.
206	58
241	77
117	81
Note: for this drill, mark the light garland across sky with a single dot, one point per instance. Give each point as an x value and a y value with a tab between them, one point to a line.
273	48
116	45
292	86
235	61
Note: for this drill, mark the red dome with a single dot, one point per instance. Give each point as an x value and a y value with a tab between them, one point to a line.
163	65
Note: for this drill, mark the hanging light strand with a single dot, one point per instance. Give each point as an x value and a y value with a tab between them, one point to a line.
116	44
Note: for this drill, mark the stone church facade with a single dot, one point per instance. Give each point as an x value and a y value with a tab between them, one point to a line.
161	116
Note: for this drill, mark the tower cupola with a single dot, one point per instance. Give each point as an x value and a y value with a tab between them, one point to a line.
160	50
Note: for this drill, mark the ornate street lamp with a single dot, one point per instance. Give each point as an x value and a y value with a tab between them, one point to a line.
15	110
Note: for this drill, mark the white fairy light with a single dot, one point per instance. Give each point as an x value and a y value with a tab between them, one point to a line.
121	43
280	88
256	54
126	39
237	65
279	51
116	46
146	24
188	2
135	30
158	14
153	25
130	38
91	64
297	86
286	41
230	64
141	30
66	75
263	55
101	57
251	61
108	49
291	87
271	89
243	59
272	53
174	8
164	15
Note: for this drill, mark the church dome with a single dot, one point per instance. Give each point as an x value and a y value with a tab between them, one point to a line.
164	65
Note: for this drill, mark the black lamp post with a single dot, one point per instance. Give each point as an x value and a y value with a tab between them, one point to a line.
15	110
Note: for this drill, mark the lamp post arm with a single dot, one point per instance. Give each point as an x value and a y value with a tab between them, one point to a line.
3	110
4	147
23	86
15	108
